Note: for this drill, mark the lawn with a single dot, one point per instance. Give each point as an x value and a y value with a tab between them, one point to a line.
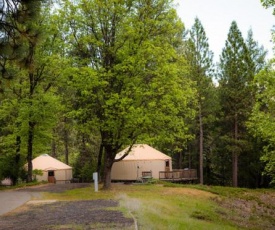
168	206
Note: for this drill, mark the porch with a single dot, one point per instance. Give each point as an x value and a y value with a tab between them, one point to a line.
179	175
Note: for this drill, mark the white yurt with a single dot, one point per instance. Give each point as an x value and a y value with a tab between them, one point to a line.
142	158
54	171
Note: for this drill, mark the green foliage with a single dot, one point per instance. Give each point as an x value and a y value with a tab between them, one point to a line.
262	119
86	74
11	168
200	59
129	78
30	95
37	172
269	159
240	62
268	4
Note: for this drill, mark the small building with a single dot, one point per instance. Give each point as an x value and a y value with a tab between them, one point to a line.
54	171
141	160
6	182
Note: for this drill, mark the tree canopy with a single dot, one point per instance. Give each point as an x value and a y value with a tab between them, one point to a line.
81	80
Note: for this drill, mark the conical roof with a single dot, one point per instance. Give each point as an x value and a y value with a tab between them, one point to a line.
142	152
46	162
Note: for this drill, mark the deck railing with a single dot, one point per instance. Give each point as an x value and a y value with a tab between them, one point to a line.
178	174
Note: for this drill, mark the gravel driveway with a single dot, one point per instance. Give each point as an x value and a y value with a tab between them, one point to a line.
89	214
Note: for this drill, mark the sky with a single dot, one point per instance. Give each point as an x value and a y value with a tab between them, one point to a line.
216	17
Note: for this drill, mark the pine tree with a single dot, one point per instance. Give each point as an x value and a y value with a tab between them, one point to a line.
30	92
200	59
236	74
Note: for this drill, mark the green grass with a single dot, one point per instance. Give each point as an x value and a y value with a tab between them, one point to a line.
159	207
172	206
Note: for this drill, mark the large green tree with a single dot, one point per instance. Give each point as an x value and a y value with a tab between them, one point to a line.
15	18
200	59
240	61
235	96
129	77
262	119
30	93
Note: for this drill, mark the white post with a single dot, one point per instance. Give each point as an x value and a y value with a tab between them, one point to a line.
95	177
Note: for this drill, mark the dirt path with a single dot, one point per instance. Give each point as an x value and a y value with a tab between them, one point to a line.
10	200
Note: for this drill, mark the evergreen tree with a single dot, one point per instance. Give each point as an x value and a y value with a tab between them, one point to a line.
31	92
239	62
235	95
200	59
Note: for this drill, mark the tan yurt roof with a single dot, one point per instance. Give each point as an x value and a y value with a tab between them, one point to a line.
46	162
142	152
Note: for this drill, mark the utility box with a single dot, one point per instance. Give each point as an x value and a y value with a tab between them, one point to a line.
95	178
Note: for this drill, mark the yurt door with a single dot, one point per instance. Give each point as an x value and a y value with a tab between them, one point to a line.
51	178
167	169
167	165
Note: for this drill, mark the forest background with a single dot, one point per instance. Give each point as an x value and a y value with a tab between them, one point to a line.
81	80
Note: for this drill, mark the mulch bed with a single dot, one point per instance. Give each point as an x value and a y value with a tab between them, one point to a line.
87	214
90	214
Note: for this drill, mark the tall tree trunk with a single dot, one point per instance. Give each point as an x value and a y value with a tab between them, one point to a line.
53	146
66	145
108	163
99	159
180	159
201	145
30	150
235	155
17	160
235	169
31	124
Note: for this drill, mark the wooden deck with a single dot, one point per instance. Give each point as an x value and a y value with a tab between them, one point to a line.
179	175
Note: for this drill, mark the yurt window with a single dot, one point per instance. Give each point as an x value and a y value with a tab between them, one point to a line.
50	173
166	163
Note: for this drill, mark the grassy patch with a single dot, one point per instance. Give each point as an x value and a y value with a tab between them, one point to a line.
172	206
105	226
157	207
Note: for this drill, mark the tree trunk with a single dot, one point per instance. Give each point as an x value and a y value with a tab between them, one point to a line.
107	171
66	145
99	160
201	145
16	161
180	159
235	169
235	156
31	124
30	150
53	148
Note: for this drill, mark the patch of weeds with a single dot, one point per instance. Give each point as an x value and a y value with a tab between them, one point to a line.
201	216
67	227
172	185
105	226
